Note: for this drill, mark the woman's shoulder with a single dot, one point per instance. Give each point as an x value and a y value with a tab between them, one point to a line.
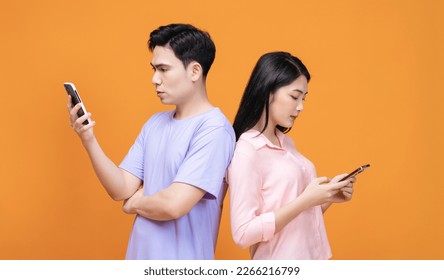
248	143
288	141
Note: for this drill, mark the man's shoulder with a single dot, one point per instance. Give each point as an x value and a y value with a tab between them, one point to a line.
215	120
162	115
159	117
215	115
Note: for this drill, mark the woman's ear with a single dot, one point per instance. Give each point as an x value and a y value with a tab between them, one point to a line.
195	71
270	98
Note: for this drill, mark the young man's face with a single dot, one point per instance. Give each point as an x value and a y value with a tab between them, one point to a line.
172	80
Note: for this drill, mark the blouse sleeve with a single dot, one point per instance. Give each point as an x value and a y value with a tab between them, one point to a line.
248	225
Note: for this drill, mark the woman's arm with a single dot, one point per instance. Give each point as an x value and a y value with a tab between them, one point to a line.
248	225
318	192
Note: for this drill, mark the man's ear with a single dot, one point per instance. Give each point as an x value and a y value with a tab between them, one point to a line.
195	71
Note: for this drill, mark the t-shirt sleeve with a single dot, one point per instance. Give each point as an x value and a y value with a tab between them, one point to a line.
207	160
134	160
248	225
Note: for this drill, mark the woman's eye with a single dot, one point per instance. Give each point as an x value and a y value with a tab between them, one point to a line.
294	97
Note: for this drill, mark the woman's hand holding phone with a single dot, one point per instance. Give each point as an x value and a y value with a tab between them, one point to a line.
345	193
322	190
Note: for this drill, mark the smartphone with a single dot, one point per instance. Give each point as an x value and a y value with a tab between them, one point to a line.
356	172
75	98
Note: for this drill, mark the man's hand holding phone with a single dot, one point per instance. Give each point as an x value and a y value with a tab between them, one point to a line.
80	119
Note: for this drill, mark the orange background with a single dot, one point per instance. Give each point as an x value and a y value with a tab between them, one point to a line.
375	97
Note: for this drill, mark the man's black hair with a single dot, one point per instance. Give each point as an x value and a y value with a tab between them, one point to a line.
187	42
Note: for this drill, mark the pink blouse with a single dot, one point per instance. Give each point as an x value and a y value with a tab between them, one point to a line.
264	177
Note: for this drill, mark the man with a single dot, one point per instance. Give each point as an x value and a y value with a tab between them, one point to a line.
180	157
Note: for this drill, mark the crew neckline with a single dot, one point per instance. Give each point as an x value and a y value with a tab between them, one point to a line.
173	112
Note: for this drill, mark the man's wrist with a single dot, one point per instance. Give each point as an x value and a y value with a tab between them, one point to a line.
89	143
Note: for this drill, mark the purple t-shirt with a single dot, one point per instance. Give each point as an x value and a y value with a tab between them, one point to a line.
196	151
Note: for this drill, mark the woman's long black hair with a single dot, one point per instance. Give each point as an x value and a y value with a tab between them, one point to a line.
272	71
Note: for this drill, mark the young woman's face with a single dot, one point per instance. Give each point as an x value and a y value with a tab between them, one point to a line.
172	80
287	103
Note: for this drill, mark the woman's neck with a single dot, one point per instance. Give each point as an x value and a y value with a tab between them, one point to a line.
270	131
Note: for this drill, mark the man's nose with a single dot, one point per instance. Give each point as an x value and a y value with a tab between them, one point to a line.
156	79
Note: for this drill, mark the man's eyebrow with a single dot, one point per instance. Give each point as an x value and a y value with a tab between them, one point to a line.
159	65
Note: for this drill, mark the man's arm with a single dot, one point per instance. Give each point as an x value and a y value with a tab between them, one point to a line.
169	204
203	170
119	183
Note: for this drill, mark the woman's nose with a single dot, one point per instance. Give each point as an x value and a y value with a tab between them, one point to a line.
300	105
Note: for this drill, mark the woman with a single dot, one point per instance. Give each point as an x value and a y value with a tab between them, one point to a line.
276	201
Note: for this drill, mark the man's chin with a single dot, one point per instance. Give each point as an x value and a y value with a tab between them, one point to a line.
166	102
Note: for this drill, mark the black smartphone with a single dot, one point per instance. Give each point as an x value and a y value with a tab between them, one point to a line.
356	172
75	98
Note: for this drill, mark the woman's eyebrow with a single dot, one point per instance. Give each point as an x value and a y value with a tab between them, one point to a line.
300	91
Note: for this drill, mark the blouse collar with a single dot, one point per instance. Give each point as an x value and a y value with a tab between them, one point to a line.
258	140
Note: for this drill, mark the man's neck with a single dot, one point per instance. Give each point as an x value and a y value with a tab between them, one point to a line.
197	104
